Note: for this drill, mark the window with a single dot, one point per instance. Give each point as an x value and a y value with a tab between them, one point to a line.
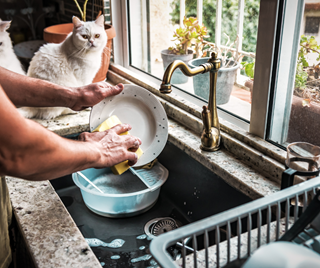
296	111
232	26
272	33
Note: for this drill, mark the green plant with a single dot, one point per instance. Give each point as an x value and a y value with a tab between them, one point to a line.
229	18
307	45
189	36
248	68
82	11
301	77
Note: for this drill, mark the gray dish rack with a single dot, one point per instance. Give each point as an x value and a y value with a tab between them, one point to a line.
227	239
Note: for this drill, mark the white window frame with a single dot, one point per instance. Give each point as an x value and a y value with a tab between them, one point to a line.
265	67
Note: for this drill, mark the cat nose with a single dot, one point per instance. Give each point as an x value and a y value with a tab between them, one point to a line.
91	41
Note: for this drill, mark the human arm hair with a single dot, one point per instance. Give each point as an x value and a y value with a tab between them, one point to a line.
27	91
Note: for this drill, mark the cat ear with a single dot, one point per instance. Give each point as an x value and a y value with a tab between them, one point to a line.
100	21
76	22
4	25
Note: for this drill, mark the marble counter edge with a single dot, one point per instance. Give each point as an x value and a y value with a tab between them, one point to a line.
52	236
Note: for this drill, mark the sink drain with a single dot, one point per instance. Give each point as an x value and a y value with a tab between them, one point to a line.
163	226
160	226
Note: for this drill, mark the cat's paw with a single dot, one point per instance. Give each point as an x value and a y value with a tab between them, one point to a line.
69	111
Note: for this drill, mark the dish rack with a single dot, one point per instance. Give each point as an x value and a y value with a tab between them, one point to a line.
227	239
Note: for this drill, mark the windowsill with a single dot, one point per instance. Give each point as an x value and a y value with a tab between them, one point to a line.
119	74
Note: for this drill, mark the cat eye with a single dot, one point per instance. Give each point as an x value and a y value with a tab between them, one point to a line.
0	43
85	36
97	36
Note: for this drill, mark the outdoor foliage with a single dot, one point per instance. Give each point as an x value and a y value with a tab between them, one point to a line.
248	68
307	77
229	19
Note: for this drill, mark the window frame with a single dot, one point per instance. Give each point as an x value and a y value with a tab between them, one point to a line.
267	56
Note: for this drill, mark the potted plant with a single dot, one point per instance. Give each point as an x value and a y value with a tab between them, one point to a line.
58	33
188	40
226	74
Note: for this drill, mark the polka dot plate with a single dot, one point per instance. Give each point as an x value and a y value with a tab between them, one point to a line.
139	108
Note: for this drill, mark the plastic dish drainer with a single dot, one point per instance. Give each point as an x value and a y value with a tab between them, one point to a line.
230	237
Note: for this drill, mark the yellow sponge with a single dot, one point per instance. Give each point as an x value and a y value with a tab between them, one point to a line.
107	124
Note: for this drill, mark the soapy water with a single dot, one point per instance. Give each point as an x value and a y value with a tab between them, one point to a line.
114	184
115	257
141	237
95	242
142	258
153	262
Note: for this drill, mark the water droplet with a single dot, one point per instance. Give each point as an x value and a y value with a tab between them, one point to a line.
117	243
102	263
141	237
142	258
153	262
142	247
115	257
94	242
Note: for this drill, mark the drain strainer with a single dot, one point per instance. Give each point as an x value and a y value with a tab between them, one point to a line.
163	226
159	226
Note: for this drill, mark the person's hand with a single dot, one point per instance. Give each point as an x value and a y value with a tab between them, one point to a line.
113	147
89	95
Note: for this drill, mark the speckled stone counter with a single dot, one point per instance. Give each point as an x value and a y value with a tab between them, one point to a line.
50	233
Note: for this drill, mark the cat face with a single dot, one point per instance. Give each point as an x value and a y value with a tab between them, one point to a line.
91	35
5	41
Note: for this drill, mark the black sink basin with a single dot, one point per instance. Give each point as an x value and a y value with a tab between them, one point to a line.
191	193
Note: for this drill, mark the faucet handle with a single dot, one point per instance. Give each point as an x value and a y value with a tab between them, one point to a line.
206	120
210	137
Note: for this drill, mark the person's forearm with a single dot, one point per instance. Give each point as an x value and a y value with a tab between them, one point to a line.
29	151
46	155
27	91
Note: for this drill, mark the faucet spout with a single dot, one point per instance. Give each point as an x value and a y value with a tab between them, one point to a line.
165	86
210	138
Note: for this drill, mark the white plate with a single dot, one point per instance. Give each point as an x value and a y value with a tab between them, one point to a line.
139	108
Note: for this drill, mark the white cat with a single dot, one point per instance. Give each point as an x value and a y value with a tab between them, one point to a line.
8	58
74	62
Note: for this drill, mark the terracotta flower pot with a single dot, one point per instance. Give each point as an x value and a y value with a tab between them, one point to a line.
58	33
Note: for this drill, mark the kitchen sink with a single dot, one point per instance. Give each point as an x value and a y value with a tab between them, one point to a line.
191	192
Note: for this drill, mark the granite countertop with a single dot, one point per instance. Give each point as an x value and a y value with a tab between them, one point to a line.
52	236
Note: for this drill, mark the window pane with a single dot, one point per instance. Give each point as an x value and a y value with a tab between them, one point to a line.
152	25
297	104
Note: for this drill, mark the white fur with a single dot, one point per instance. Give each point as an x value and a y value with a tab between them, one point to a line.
8	58
74	62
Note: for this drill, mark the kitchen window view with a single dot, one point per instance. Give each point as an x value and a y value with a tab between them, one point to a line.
289	103
297	104
229	27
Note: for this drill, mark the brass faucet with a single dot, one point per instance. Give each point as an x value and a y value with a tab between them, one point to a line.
210	137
